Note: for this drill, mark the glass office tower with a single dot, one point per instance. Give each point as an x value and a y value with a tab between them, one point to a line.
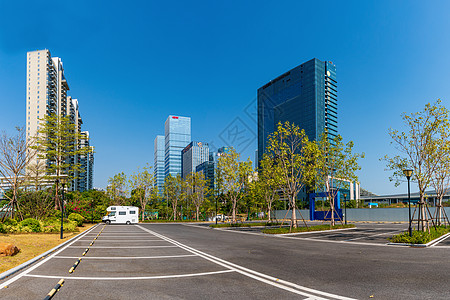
305	96
159	162
193	155
177	136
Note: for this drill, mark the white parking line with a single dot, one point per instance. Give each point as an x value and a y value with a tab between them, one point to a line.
137	240
134	278
365	237
285	285
128	247
128	257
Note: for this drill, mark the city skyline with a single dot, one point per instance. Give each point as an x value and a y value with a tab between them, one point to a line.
192	60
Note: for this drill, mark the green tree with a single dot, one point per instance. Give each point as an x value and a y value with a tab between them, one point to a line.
117	188
233	176
143	183
295	157
57	142
268	182
15	154
420	150
336	166
199	188
173	191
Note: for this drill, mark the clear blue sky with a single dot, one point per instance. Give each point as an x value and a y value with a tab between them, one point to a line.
131	64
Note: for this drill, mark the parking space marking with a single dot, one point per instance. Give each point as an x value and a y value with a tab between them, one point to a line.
129	257
24	273
383	233
137	240
134	278
279	283
338	242
128	247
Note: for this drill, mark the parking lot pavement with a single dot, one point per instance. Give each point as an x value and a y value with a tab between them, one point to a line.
135	262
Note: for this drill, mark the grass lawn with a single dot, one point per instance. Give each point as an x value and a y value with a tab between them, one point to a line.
284	230
32	244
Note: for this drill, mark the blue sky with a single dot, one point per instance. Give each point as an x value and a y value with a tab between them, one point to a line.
131	64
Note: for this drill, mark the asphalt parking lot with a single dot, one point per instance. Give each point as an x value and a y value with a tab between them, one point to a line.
174	261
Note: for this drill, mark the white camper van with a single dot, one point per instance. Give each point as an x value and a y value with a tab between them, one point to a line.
121	215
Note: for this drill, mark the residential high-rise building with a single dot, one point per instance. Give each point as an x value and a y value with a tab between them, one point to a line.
193	155
305	96
177	132
84	177
46	94
159	163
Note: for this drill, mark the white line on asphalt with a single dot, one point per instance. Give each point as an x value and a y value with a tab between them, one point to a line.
337	242
286	285
128	257
365	237
438	240
128	247
316	232
133	278
8	282
137	240
441	246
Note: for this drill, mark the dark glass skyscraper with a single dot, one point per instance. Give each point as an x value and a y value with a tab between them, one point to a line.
305	96
177	131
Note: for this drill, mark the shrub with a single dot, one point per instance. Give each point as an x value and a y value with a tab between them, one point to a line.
53	225
420	237
32	224
76	217
10	222
2	228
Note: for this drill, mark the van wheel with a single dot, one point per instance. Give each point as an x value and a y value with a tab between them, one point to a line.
108	222
128	222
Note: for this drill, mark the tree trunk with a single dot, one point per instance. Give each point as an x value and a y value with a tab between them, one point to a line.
294	216
198	208
233	215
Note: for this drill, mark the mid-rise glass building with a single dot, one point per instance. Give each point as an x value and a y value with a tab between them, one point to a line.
193	155
159	162
305	96
177	131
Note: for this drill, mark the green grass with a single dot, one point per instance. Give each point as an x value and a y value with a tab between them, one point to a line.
169	221
224	225
420	237
283	230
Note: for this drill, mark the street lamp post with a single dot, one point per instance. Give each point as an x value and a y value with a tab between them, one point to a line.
345	208
63	183
408	174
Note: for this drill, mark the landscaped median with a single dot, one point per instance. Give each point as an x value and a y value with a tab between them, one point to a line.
420	237
285	230
282	230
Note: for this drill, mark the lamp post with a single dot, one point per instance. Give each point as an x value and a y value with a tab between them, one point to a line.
345	208
63	183
408	174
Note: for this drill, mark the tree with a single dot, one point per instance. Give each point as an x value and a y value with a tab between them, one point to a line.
199	189
36	173
268	182
117	188
57	143
15	154
336	165
173	191
143	183
233	175
294	157
420	150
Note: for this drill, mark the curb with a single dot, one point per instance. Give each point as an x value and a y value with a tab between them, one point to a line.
429	244
33	260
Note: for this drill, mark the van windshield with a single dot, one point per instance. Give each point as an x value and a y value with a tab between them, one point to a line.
112	214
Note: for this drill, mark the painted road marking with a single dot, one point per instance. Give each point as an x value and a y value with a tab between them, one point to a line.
128	247
383	233
288	286
129	257
8	282
134	278
137	240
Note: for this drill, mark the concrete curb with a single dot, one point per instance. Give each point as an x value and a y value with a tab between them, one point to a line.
33	260
429	244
